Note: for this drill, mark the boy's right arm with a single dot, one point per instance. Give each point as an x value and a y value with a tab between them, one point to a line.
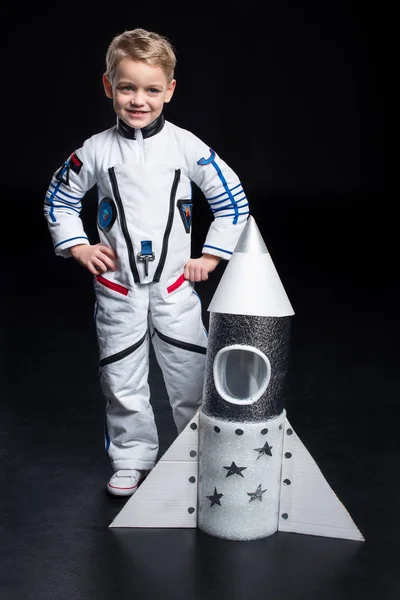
98	258
62	208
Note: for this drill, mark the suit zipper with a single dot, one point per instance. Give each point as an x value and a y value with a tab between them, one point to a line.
168	228
124	227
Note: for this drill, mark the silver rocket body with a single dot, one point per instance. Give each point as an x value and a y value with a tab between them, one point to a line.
242	416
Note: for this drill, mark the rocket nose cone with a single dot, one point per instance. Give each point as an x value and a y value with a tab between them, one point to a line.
251	241
250	284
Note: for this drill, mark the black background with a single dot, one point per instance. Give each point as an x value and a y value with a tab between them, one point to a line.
290	94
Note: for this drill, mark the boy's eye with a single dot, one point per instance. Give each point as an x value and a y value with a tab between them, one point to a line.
154	90
126	88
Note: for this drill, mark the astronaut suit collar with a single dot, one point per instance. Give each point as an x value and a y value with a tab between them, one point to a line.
148	131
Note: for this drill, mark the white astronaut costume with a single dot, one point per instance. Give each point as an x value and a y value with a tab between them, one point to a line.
143	178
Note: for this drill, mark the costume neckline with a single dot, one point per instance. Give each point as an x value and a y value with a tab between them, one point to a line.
131	133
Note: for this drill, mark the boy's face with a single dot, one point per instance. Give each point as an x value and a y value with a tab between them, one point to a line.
138	91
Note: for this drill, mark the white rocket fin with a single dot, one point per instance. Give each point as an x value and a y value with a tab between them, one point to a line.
307	502
168	496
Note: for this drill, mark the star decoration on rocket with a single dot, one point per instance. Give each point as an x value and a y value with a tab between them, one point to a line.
234	470
215	498
257	495
266	449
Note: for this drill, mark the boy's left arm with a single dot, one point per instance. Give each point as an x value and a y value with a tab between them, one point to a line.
197	269
227	200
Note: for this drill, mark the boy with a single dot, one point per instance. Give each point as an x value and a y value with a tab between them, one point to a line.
144	276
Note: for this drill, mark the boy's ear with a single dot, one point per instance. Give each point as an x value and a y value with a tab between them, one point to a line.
170	90
107	86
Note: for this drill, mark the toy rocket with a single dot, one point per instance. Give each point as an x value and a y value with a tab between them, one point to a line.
242	416
238	471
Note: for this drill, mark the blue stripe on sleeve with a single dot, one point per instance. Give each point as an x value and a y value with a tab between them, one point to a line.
51	213
79	237
233	215
225	184
62	207
65	194
219	201
216	248
219	195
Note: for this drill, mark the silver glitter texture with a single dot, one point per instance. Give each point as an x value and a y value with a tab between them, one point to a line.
271	335
239	507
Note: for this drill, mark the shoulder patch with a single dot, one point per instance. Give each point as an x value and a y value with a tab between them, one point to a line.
207	161
74	163
63	174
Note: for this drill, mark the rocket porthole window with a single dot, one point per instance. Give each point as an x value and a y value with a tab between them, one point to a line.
241	374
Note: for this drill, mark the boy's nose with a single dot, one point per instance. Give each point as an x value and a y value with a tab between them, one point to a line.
137	100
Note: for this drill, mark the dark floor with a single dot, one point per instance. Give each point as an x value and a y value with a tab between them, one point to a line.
336	265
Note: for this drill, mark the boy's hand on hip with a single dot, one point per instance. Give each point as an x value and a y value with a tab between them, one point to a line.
98	258
197	269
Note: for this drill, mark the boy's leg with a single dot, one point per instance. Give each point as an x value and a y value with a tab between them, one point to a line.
180	342
122	332
131	434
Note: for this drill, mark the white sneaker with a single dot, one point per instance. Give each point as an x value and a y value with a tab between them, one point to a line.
125	482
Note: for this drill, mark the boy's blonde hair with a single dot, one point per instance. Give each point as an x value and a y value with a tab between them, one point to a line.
139	44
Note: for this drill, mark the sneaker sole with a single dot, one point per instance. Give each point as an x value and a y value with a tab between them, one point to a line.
118	491
115	491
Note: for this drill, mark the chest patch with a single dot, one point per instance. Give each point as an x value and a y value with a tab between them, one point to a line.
106	214
185	208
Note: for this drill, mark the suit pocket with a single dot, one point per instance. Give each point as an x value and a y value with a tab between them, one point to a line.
111	285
